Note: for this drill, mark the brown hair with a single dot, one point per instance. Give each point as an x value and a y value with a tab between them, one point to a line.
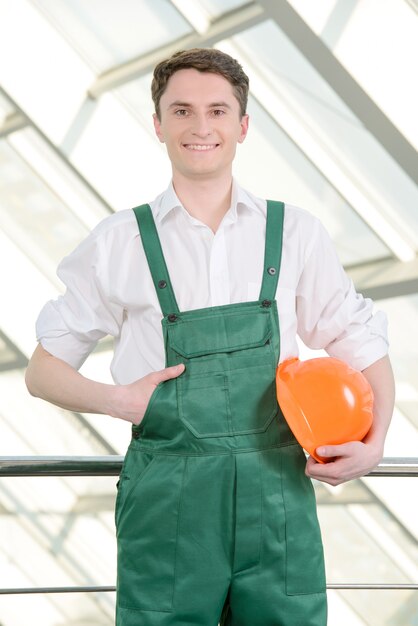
203	60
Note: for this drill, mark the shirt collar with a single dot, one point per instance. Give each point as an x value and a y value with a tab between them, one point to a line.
168	201
243	199
240	197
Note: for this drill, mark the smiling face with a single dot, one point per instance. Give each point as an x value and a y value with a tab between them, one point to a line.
200	123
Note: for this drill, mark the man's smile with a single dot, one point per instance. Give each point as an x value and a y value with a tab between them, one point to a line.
202	147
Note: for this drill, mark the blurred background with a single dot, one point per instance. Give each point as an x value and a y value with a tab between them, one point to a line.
333	107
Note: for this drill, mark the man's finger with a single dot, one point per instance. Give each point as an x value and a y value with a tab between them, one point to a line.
330	451
326	472
168	372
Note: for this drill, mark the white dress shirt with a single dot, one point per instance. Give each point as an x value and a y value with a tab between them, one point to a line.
109	289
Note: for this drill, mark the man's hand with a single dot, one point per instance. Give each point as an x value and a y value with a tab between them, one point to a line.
349	460
358	458
54	380
130	401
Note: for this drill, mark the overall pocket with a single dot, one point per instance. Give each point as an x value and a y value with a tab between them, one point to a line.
240	401
305	570
147	536
134	468
205	390
148	411
229	386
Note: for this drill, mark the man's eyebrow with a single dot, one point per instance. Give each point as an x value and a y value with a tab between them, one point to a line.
220	104
178	103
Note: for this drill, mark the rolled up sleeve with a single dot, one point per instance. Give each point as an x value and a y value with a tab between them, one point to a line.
70	326
331	314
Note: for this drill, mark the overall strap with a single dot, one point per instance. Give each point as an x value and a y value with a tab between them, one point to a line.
155	258
273	249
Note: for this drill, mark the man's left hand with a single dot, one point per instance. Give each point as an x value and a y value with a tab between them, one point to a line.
347	461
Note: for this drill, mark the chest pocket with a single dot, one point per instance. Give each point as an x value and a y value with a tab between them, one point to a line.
228	387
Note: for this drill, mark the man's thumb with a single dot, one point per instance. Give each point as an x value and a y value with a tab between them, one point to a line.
174	371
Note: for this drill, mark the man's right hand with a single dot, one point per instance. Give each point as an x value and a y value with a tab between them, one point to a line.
54	380
131	401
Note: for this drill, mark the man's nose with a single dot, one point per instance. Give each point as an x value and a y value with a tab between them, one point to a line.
202	126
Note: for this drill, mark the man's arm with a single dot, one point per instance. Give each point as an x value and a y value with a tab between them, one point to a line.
55	381
356	459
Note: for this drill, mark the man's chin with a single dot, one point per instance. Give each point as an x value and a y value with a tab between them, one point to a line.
200	174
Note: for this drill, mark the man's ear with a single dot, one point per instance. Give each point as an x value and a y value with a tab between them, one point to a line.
157	126
245	120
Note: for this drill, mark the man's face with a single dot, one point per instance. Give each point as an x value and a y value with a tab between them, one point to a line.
200	124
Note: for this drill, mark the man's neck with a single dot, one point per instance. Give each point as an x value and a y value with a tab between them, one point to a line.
207	201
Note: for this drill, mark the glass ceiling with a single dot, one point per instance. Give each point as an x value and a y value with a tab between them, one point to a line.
106	34
215	8
77	142
389	38
5	108
32	216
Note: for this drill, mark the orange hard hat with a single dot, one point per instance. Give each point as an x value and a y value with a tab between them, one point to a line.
324	401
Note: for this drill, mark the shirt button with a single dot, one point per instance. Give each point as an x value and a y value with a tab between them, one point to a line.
266	303
271	271
172	317
162	284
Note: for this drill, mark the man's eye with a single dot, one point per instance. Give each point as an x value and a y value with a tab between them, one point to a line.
181	112
218	112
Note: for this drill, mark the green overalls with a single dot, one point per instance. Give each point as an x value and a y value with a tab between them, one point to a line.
215	518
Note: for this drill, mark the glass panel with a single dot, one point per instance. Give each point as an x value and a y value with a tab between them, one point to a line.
378	45
326	130
403	323
122	159
53	168
10	357
385	607
216	8
110	33
5	108
285	173
50	81
34	217
24	291
57	432
365	541
136	95
63	609
7	355
57	532
371	551
316	14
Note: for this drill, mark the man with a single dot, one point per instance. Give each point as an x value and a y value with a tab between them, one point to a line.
215	517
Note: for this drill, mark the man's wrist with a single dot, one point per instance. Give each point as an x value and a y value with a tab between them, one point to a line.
112	399
376	446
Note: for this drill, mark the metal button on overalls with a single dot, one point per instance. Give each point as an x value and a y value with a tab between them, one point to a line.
215	518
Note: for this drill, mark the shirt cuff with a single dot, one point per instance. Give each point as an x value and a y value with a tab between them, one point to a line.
57	339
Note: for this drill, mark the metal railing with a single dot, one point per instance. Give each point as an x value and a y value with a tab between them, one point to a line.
111	465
